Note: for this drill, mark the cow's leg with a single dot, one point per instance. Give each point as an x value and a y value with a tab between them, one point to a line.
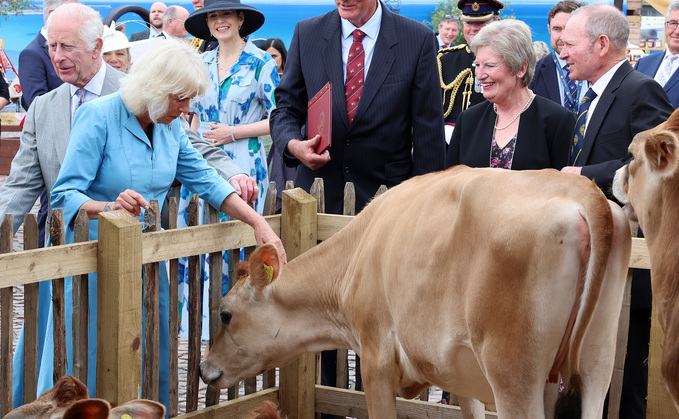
471	408
598	349
524	401
380	380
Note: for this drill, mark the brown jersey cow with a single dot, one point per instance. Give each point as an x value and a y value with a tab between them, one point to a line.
649	188
527	268
69	399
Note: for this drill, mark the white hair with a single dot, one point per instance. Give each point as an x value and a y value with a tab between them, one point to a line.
171	67
48	5
88	20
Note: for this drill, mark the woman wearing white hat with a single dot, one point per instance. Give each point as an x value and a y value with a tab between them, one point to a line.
116	48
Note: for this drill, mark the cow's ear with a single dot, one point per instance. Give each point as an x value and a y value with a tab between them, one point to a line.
673	122
661	152
139	409
265	265
68	389
88	409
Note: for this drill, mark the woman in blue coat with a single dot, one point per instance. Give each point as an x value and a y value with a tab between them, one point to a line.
126	149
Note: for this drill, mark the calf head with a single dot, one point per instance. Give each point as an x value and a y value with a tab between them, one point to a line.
69	399
54	402
648	185
248	342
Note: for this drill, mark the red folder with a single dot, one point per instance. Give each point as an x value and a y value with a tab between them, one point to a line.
320	118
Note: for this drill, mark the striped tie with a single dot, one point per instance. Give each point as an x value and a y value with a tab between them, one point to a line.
579	135
666	69
355	74
570	101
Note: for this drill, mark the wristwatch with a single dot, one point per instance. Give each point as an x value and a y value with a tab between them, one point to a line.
107	207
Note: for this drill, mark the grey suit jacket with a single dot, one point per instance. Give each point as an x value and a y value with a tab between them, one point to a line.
43	146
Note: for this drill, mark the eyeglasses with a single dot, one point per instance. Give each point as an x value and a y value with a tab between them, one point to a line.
672	25
450	17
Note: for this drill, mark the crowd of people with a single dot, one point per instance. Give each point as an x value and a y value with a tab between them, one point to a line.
406	101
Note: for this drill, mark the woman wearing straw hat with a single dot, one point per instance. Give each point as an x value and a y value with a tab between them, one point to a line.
233	112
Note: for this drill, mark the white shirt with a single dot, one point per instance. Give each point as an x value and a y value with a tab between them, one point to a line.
92	89
154	32
371	28
599	88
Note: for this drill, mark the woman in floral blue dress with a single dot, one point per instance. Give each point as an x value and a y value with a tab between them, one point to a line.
234	112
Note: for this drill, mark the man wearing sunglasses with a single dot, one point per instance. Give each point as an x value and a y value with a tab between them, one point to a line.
449	28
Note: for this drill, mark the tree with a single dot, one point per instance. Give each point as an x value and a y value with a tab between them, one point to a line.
449	8
13	7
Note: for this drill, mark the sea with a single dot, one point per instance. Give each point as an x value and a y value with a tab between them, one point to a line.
281	17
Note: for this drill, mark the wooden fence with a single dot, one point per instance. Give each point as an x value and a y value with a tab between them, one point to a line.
118	257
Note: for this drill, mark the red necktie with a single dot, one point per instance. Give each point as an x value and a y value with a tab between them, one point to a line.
355	74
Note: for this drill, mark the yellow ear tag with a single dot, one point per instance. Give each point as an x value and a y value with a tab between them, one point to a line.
269	271
126	416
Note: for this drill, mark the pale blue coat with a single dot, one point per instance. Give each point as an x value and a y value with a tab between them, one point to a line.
107	153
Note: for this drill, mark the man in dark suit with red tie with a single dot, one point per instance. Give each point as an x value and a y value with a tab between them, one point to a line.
387	119
397	126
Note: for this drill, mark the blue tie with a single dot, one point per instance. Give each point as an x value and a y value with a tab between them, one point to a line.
579	134
570	101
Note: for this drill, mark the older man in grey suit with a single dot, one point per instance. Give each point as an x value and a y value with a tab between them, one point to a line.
74	41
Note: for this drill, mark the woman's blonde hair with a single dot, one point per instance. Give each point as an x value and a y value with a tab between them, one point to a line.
170	67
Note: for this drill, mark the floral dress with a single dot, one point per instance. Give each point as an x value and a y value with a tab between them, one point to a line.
244	95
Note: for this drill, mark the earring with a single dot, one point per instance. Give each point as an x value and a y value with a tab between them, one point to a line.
239	26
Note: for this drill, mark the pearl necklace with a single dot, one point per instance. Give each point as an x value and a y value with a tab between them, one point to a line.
530	100
234	61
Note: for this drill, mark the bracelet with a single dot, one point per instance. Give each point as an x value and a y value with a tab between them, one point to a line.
107	207
233	137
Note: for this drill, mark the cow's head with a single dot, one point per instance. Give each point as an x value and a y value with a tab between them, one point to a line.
248	342
54	402
69	399
648	184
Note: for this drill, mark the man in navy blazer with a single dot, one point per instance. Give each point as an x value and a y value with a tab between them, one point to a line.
651	64
397	131
37	73
626	103
549	81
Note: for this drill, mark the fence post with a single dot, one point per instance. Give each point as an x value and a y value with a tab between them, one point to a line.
6	337
31	292
119	307
151	302
299	230
660	404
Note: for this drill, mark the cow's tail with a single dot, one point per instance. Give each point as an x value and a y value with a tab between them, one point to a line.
597	214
